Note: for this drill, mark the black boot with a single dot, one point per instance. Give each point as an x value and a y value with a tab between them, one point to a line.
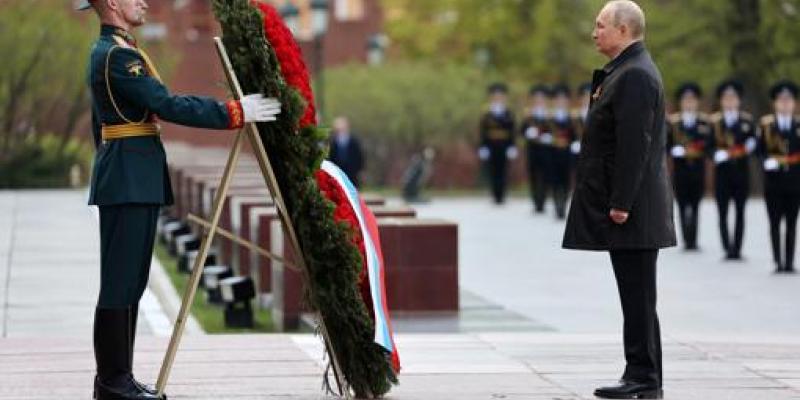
112	333
134	315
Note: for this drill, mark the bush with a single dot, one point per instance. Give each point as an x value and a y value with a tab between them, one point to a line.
44	162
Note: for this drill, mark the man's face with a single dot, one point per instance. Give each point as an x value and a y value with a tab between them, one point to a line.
690	103
131	11
608	39
730	100
784	104
538	100
561	102
341	126
499	98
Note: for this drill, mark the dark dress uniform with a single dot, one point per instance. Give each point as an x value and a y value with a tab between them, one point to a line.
497	136
129	184
537	133
689	169
732	175
622	165
349	157
560	161
780	148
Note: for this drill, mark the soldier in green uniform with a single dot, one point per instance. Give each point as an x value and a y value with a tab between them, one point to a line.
689	142
538	137
733	142
780	149
130	181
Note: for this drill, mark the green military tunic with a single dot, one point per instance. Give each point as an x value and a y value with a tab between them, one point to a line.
129	178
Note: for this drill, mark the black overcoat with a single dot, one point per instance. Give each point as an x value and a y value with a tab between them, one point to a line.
622	163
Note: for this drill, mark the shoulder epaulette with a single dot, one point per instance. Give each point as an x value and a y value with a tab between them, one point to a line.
715	117
767	119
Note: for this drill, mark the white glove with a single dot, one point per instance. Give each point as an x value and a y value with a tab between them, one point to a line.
750	145
257	108
720	156
546	138
678	151
575	147
512	153
771	164
532	133
483	153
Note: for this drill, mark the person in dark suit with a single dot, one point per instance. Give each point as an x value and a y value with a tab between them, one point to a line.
623	200
538	135
733	142
130	181
689	144
345	150
780	152
497	147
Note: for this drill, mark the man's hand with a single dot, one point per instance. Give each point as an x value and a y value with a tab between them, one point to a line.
257	108
618	216
512	153
483	153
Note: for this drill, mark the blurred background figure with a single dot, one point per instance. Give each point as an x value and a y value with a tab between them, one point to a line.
564	136
345	150
689	143
497	140
538	137
417	175
734	141
780	144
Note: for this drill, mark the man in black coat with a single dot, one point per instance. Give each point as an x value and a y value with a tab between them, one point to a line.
623	200
345	150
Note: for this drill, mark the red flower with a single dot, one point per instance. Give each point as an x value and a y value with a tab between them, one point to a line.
290	57
344	213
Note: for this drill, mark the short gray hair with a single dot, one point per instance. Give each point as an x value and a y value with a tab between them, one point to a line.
628	13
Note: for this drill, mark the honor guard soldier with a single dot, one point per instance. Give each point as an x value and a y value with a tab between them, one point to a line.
780	148
564	136
538	138
130	180
579	114
497	140
733	141
689	141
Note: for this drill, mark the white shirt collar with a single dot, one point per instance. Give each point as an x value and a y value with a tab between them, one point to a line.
730	117
689	118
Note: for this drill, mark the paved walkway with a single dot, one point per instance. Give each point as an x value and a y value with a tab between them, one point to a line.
514	258
731	330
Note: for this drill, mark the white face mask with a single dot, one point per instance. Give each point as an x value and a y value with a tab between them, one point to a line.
731	117
497	108
784	122
540	112
560	114
689	118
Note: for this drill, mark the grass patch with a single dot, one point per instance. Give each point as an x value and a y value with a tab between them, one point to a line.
209	316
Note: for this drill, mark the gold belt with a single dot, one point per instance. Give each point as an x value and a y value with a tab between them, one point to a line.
110	132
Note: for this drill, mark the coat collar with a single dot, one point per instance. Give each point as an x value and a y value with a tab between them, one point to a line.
111	30
631	51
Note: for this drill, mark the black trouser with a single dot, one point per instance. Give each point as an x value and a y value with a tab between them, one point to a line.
689	189
783	200
537	174
127	235
732	183
498	172
635	271
558	175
